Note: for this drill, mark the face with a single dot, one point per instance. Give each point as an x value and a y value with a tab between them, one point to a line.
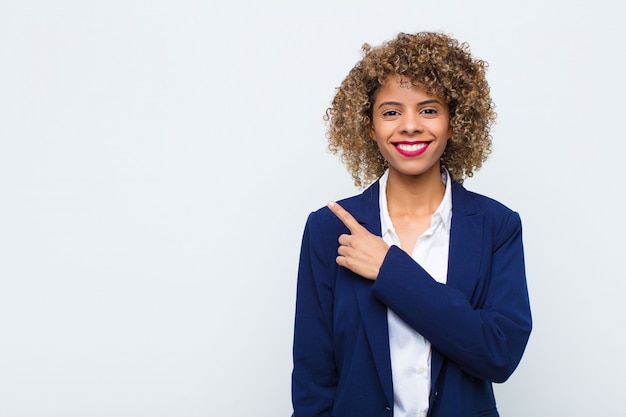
410	127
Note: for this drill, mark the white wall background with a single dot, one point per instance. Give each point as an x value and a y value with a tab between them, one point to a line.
158	160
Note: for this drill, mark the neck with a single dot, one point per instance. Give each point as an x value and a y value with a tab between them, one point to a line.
415	194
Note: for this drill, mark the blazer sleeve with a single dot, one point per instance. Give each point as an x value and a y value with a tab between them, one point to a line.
486	340
314	376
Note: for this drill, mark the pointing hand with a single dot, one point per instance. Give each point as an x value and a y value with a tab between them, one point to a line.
360	251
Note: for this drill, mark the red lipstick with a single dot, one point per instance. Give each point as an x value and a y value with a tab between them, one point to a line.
411	149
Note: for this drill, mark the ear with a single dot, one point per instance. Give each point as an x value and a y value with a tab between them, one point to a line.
372	133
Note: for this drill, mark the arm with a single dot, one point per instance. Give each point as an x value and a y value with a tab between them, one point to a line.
314	376
486	341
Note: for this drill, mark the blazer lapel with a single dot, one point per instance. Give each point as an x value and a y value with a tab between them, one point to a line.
466	242
466	245
373	312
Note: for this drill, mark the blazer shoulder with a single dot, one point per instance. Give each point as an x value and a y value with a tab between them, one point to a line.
499	218
481	203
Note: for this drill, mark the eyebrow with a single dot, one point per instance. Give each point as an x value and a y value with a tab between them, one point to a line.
396	103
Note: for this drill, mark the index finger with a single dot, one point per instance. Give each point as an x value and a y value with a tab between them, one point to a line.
345	217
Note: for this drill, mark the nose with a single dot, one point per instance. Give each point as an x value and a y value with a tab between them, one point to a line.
411	123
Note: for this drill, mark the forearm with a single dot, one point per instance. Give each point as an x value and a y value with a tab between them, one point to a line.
485	335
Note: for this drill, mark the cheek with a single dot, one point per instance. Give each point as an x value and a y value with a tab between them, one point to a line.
381	146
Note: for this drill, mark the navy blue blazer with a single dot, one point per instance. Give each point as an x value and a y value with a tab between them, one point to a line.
478	323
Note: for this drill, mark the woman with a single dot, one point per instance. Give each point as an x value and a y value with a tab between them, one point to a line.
411	296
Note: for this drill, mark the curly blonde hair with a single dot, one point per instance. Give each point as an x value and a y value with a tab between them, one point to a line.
441	66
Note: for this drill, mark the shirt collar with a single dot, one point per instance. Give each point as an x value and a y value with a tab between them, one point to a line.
386	226
445	207
443	212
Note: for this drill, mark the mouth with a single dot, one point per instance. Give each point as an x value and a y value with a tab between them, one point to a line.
411	148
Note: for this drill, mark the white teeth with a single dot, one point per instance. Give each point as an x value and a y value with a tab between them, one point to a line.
411	147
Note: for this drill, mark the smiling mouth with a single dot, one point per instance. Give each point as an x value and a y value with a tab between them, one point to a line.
410	149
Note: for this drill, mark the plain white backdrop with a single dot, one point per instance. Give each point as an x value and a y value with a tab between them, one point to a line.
158	160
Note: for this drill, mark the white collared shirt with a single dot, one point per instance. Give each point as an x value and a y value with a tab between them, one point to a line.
410	351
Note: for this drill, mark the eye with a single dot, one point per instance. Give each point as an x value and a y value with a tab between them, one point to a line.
391	113
430	111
